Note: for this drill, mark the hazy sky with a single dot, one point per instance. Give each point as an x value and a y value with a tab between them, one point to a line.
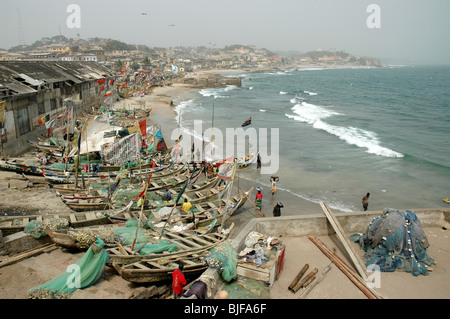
413	31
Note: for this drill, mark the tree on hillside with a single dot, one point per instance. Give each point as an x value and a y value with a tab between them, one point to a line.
135	66
114	45
118	65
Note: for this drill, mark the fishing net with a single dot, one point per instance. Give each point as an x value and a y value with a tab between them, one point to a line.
396	241
85	272
37	229
128	234
223	258
247	288
157	248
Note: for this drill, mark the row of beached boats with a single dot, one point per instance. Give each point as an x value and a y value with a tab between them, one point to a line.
106	202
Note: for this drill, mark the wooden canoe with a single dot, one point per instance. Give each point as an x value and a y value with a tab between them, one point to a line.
14	224
20	167
152	271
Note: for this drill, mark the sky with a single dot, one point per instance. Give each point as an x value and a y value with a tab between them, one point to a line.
413	31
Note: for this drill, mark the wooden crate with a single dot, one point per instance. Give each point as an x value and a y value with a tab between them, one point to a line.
267	272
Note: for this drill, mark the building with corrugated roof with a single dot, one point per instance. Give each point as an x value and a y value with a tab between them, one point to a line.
35	89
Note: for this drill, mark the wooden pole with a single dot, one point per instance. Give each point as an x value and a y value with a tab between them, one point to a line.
305	280
343	238
297	278
355	279
305	292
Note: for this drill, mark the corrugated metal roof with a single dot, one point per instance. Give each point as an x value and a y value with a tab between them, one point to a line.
20	76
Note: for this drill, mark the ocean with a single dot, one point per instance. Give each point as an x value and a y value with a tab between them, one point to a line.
342	133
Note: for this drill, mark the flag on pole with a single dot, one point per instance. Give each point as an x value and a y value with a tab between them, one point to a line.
143	127
44	119
2	111
142	194
112	188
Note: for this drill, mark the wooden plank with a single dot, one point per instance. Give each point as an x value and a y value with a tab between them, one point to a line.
26	220
356	280
72	218
210	236
345	242
156	265
184	240
141	266
30	253
90	216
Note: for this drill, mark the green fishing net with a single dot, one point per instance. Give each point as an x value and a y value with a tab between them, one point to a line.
223	258
85	272
396	241
247	288
157	248
37	229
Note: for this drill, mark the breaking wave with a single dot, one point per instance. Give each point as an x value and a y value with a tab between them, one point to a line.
314	115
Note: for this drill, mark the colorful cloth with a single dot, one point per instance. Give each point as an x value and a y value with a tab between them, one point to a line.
178	282
124	150
186	207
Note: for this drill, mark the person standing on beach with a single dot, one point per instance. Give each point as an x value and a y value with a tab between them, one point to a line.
277	209
258	198
178	281
274	179
365	201
258	162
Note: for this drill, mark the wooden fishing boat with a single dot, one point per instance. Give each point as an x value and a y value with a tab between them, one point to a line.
150	271
173	181
193	196
13	224
247	160
21	167
47	148
88	204
70	178
210	214
207	214
187	241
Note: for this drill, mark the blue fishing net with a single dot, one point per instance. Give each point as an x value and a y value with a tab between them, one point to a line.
84	273
396	241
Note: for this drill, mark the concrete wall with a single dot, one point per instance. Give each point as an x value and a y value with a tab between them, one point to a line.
318	225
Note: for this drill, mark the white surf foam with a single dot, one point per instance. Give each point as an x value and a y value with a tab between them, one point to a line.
217	93
283	93
310	93
314	115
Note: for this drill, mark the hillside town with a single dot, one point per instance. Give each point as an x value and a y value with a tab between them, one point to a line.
117	54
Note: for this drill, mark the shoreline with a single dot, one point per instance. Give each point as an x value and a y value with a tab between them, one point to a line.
165	116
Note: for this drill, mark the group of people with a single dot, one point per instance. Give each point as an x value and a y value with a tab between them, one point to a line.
259	196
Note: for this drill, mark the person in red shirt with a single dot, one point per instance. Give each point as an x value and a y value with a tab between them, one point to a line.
258	198
178	281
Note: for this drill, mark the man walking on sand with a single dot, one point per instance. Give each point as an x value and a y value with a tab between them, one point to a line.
365	201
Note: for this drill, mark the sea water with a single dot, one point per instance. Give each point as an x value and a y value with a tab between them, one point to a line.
343	133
